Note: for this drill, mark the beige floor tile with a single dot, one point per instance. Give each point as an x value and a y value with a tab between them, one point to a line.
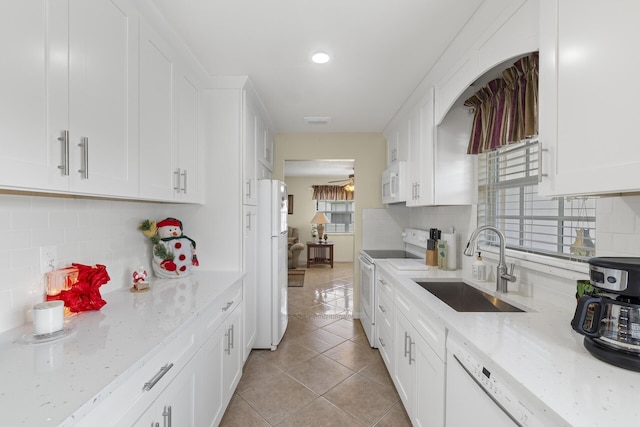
344	328
278	398
320	374
240	414
321	413
364	399
257	370
377	371
396	417
289	354
352	355
320	340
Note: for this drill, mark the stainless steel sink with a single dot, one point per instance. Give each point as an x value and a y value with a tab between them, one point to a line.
466	298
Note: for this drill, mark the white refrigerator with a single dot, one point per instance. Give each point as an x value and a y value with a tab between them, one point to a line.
272	263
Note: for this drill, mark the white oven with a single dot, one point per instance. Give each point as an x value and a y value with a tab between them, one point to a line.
367	296
401	259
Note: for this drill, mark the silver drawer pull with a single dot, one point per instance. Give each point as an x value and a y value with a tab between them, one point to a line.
184	181
226	307
84	145
381	342
64	166
176	180
157	377
382	309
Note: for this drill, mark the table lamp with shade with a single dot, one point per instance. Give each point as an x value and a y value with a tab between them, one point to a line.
320	219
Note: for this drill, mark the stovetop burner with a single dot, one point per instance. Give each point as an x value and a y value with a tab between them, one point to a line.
389	253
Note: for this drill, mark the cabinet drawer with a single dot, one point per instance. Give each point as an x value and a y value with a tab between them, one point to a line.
147	380
220	309
428	325
384	310
385	344
384	284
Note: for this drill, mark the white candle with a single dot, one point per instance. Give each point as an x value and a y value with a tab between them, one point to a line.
48	317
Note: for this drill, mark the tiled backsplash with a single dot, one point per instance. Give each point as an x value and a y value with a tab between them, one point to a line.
82	230
105	232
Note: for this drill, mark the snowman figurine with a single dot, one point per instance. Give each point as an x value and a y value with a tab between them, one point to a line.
174	253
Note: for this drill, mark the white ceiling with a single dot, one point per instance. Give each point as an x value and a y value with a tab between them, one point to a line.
381	49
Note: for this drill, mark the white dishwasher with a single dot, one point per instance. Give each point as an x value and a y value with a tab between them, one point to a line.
476	397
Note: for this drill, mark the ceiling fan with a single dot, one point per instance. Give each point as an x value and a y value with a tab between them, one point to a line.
348	183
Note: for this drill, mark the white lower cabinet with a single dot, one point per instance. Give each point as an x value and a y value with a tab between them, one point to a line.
221	367
418	366
419	375
177	405
187	382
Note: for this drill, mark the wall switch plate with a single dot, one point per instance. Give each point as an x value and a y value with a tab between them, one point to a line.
48	259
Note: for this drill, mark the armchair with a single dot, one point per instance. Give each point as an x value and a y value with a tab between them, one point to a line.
294	255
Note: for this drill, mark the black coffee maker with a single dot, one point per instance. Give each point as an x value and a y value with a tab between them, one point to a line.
610	319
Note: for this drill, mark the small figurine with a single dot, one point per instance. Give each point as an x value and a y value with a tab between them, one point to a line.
139	279
173	253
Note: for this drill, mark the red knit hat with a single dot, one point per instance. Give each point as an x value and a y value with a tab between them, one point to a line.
168	222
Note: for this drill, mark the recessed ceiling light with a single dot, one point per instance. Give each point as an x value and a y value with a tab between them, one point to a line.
320	58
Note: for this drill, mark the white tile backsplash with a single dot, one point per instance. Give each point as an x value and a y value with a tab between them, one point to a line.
85	231
618	226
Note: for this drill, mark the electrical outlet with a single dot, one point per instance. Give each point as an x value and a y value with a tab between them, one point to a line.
48	259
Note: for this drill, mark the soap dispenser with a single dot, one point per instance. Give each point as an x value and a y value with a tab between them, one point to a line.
479	269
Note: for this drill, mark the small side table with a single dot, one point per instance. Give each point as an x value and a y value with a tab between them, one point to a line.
319	253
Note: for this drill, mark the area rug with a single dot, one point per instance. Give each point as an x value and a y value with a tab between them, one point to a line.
296	278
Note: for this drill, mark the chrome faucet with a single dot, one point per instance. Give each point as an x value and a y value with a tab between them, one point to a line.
501	275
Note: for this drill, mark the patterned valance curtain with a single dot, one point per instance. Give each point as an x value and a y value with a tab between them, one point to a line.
506	110
331	192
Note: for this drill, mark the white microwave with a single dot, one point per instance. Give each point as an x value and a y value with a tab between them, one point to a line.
394	183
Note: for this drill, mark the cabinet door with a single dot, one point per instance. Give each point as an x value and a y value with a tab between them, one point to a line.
33	83
250	281
249	184
404	372
587	121
103	97
189	147
212	387
178	404
430	385
158	152
233	360
392	147
421	153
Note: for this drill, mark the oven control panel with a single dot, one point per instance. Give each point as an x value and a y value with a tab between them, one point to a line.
415	237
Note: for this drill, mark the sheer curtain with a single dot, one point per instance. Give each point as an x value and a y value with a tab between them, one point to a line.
506	110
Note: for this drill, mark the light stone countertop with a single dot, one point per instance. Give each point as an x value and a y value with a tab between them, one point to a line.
538	353
49	383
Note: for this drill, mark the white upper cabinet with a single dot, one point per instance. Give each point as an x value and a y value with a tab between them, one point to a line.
587	97
249	143
421	152
398	144
264	142
69	103
28	158
103	97
169	124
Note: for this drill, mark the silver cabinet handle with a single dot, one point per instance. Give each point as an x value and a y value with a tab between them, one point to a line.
167	416
542	152
184	181
155	424
84	167
233	335
249	221
157	377
64	154
411	344
176	180
228	348
381	342
248	188
406	351
382	309
226	307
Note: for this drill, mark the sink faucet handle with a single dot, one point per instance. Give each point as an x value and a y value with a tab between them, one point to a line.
511	277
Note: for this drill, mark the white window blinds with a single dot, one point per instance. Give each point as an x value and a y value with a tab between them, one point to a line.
508	199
